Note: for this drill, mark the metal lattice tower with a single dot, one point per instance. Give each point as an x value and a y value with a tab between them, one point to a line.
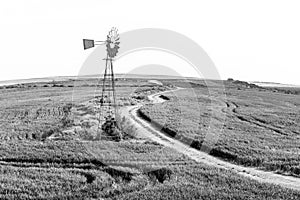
107	101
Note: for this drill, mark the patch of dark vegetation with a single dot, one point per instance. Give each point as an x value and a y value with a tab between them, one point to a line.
294	91
281	168
115	173
196	85
245	84
116	130
65	163
157	125
167	130
160	175
38	85
196	144
242	118
227	104
58	85
150	142
260	120
48	133
89	177
223	154
164	97
143	115
111	129
140	97
10	86
83	166
66	120
239	85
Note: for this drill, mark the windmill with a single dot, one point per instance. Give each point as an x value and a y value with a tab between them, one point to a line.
107	101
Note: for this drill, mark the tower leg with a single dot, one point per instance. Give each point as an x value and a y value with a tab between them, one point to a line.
108	106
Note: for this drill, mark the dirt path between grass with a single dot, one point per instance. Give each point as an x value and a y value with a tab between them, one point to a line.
147	130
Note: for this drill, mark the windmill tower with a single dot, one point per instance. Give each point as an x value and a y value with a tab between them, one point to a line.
107	123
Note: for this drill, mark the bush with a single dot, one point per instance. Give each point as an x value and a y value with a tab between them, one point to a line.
196	144
160	174
127	128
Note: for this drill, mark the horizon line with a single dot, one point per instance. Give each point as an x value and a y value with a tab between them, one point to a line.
148	75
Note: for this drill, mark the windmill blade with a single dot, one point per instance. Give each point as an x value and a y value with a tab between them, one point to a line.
88	44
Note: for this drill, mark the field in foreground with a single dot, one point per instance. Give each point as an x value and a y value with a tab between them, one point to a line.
34	166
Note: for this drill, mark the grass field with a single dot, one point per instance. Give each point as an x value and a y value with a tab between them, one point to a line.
261	127
127	170
33	166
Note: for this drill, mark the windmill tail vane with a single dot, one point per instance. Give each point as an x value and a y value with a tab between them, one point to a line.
107	103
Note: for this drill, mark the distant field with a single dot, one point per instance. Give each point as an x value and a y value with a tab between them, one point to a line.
33	166
261	128
279	85
35	110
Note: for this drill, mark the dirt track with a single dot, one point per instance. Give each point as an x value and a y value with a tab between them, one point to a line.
146	130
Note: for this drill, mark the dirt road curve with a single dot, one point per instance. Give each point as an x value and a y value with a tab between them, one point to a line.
146	130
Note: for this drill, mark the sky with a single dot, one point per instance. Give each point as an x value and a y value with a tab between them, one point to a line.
247	40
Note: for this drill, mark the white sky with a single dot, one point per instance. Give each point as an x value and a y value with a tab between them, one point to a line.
257	40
